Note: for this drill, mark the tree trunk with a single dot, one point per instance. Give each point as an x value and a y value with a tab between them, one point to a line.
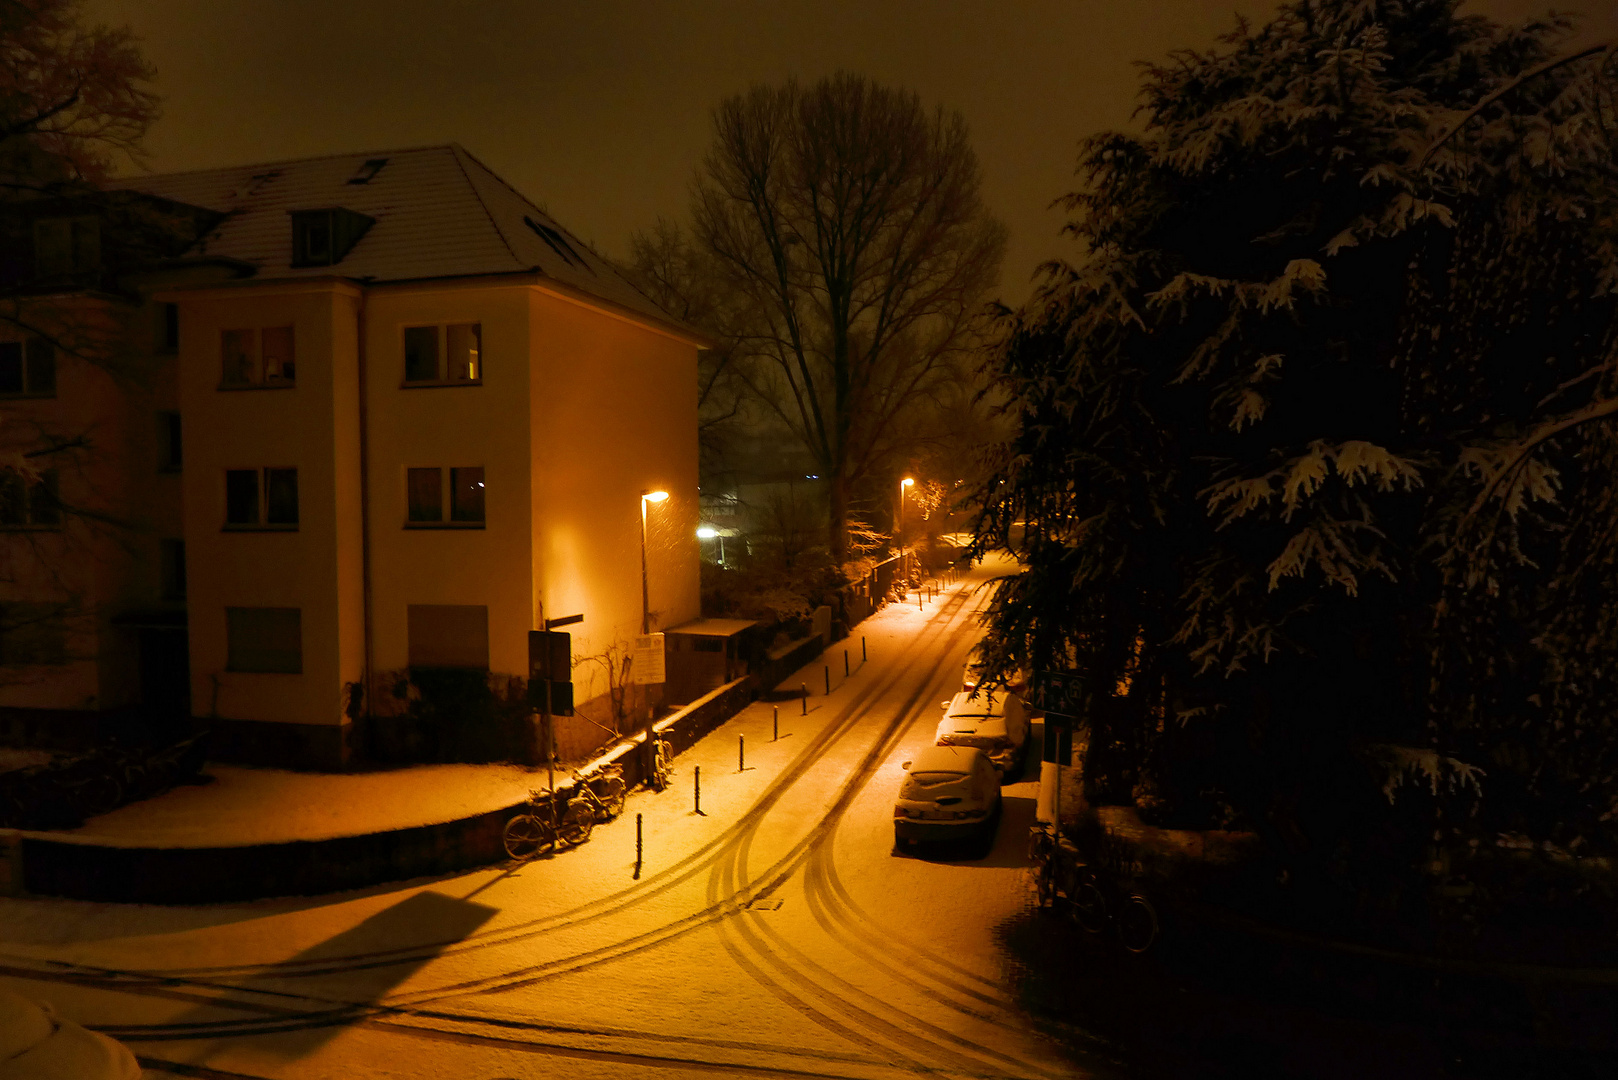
837	520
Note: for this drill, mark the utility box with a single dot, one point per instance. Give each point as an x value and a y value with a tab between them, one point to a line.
705	654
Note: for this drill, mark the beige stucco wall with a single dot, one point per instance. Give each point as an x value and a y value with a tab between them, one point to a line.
302	427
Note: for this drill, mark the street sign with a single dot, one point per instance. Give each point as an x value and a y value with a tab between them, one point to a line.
550	667
649	665
1061	693
565	620
1058	744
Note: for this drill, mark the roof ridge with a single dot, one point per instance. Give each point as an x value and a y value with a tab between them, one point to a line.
457	150
287	161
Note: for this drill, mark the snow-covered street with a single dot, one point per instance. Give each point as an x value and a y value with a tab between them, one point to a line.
776	933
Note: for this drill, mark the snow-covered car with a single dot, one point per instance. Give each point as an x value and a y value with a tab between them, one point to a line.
36	1044
949	793
972	676
995	723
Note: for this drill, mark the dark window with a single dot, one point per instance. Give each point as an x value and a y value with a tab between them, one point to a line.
241	497
281	496
466	494
28	368
168	441
171	327
421	353
171	554
448	636
311	239
425	494
240	358
30	502
65	247
33	634
264	640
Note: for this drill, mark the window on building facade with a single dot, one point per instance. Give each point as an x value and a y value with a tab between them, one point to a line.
444	355
33	634
28	368
425	497
171	556
67	247
30	502
169	338
448	636
258	357
261	498
323	237
264	639
168	441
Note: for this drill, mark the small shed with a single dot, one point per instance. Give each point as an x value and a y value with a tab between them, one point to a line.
705	654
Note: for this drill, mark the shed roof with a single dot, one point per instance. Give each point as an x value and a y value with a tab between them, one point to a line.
713	627
439	212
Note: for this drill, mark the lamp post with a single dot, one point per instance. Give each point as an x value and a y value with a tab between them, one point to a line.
645	587
708	532
906	482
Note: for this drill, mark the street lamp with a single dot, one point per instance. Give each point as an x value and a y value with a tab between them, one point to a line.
906	482
708	532
645	588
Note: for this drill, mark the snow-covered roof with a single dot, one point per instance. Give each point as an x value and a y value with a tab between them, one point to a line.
439	213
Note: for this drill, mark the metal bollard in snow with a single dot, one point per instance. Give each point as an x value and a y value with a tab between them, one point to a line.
696	790
804	695
863	657
741	753
775	734
637	847
845	663
828	678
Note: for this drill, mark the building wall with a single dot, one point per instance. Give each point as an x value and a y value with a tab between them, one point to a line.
448	426
301	427
103	560
614	414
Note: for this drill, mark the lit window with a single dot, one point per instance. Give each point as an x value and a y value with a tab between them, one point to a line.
30	502
261	498
259	357
459	344
28	368
267	640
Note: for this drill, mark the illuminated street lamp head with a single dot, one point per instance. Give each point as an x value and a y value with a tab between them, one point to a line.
707	532
655	496
908	481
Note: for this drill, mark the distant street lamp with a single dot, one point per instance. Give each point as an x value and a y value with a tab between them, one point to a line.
645	588
906	482
708	532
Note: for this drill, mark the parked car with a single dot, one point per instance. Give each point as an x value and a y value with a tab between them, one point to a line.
972	676
949	793
995	723
36	1044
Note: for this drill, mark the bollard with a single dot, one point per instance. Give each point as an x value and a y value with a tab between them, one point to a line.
696	790
741	753
845	663
775	729
863	657
918	599
828	678
804	696
637	847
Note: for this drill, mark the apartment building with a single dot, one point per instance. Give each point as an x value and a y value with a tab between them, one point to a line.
415	418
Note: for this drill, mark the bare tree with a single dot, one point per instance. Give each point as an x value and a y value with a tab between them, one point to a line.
847	221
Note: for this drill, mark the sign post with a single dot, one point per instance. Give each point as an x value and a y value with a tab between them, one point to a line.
550	685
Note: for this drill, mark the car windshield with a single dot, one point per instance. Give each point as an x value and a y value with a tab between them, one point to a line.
928	779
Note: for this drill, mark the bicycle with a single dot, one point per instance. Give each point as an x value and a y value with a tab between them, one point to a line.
545	828
1135	920
662	754
603	791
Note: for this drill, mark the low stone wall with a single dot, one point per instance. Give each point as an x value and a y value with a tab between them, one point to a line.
62	866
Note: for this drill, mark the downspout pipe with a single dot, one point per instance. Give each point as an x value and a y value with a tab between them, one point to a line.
368	674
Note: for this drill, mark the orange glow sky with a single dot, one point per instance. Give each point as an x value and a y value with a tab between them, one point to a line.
599	110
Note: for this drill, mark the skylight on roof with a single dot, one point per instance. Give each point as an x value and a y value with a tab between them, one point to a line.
368	171
557	243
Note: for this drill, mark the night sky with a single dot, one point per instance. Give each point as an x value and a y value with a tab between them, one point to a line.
599	111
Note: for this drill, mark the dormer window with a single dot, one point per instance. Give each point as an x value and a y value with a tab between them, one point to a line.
324	237
368	171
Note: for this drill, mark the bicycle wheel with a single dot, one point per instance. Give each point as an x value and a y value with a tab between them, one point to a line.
1088	908
576	823
1137	924
526	836
614	794
1045	886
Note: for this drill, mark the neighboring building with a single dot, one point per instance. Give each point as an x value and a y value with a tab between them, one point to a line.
417	419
